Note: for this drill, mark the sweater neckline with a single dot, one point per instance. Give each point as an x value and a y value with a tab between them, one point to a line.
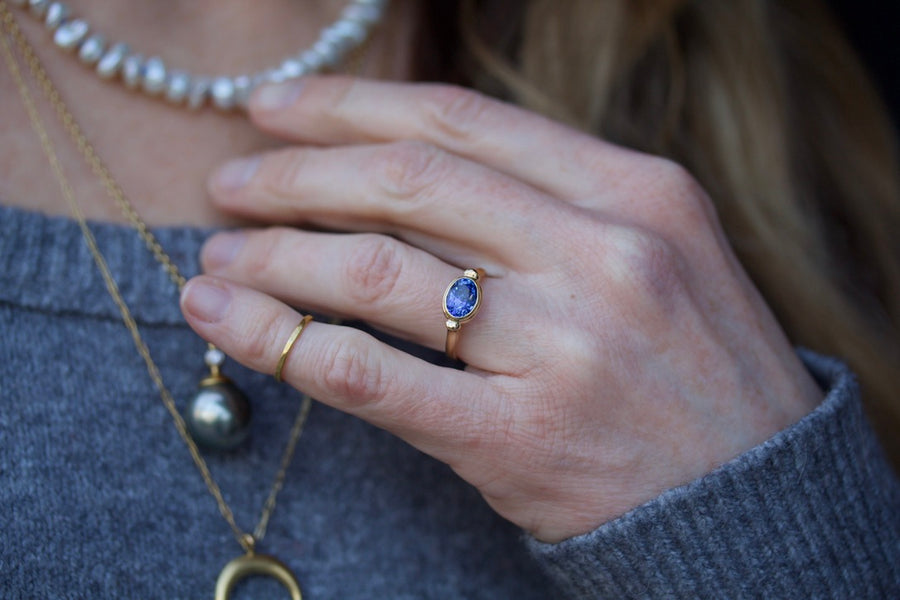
45	265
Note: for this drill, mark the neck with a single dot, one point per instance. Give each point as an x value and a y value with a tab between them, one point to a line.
160	154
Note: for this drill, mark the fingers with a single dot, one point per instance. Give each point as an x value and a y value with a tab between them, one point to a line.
340	366
561	162
403	187
365	276
394	287
341	110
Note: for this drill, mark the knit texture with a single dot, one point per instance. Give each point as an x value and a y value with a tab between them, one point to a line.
99	497
813	512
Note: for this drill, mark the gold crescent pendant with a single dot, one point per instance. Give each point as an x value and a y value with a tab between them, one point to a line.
255	564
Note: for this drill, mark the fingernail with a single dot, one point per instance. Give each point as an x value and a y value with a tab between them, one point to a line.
278	95
235	173
205	301
219	251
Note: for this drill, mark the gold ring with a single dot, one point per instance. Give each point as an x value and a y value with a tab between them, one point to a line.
290	344
462	299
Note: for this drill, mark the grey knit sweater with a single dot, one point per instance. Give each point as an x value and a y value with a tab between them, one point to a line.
100	498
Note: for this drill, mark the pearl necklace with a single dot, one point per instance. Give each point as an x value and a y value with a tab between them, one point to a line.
153	77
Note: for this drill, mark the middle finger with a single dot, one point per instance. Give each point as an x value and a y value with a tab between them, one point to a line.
439	201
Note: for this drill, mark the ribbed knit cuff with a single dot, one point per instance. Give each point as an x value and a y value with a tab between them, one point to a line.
814	512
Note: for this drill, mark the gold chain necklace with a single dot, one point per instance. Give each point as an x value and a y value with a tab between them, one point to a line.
224	406
250	563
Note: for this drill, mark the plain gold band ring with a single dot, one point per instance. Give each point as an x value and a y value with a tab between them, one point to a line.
295	335
462	299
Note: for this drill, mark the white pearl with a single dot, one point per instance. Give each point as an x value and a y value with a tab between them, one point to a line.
38	7
350	31
56	14
222	92
152	75
292	68
243	87
366	14
312	59
331	55
274	76
154	80
379	4
92	49
132	70
214	357
178	87
111	62
257	80
70	34
198	93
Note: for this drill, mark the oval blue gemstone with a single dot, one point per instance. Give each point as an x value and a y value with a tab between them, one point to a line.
462	298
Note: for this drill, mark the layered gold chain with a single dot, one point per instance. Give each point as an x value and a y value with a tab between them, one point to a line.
114	190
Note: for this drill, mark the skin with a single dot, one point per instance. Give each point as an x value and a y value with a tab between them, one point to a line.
620	350
162	155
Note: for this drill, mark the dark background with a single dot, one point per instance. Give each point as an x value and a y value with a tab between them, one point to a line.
874	29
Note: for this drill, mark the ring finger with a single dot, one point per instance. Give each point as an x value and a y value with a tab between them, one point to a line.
376	278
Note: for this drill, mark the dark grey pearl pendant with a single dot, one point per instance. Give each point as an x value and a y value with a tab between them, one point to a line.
218	416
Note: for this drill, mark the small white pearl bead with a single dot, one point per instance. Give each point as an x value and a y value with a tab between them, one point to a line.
214	357
38	7
366	14
331	55
132	70
351	32
92	49
178	87
56	14
292	68
152	75
312	59
198	92
222	93
243	87
70	34
154	81
111	62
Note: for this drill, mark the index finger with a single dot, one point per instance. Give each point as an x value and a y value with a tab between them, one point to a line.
337	110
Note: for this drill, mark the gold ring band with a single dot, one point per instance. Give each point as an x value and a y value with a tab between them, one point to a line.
462	299
295	335
450	345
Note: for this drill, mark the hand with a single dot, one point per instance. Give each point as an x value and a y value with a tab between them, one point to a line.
620	350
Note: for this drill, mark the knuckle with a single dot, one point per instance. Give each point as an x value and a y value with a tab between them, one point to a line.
671	173
372	268
685	207
455	113
341	88
407	170
646	264
350	371
260	340
590	156
259	256
281	170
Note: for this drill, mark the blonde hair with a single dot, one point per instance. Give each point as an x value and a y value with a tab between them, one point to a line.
766	104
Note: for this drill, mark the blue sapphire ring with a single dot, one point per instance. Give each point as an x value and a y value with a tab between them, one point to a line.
462	299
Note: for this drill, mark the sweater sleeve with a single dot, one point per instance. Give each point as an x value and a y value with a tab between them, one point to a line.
814	512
